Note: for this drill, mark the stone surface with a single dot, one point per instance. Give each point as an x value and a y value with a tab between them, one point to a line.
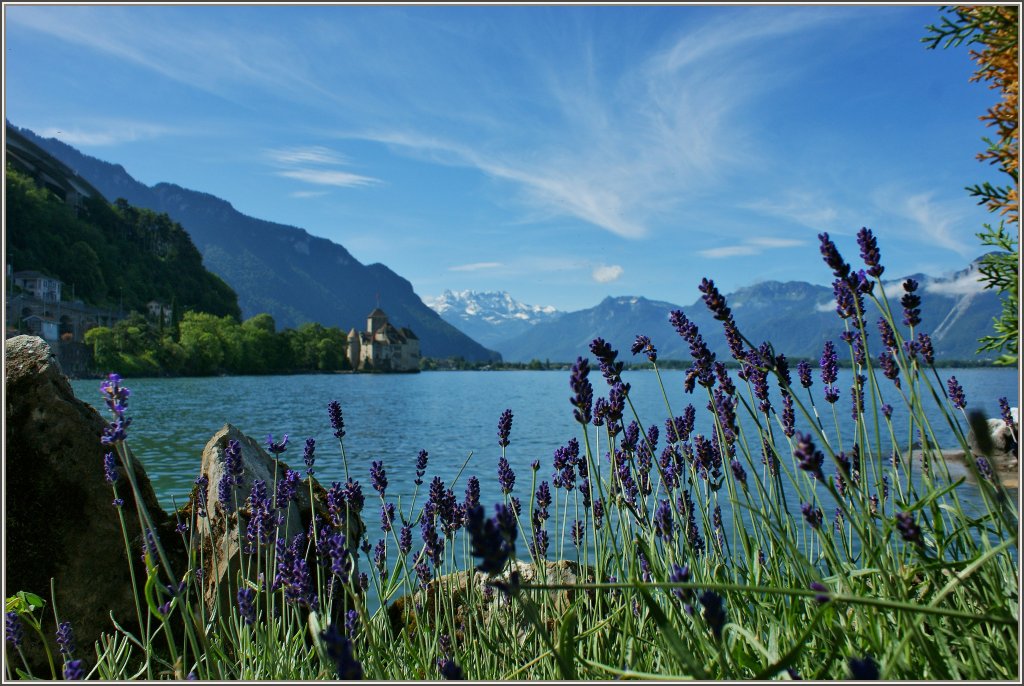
217	539
464	593
60	520
1004	446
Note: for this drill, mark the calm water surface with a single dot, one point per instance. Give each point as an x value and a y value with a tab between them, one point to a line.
451	415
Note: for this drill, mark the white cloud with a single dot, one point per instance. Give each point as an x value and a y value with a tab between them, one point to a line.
937	221
826	307
307	194
750	246
728	251
606	273
968	284
475	267
328	177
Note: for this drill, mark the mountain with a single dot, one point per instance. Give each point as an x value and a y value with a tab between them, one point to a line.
274	268
489	317
796	317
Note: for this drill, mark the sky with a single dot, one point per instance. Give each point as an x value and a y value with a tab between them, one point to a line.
560	153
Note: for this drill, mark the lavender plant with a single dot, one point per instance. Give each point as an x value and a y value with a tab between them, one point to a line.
799	534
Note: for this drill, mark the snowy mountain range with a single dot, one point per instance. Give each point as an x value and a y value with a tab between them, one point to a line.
489	316
795	316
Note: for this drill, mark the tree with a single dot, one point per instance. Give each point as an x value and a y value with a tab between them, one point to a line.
994	28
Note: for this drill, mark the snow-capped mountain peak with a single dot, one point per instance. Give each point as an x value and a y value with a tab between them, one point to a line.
488	315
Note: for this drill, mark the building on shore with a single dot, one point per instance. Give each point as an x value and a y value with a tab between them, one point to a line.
383	347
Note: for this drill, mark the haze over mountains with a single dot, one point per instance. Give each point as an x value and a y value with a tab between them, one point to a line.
281	270
796	317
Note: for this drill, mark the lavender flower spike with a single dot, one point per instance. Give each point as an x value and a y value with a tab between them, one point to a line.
504	427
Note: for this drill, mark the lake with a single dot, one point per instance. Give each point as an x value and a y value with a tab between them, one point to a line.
451	415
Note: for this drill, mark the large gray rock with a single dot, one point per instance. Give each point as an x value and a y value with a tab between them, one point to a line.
217	541
1004	454
60	520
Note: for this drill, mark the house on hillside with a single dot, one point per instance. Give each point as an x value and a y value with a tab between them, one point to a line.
383	347
38	285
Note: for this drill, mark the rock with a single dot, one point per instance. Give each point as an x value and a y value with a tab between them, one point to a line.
467	591
217	536
60	520
1004	445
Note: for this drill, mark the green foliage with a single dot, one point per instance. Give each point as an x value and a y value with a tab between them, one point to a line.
109	255
994	31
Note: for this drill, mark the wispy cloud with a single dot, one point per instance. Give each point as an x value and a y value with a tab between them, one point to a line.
475	267
307	194
328	177
315	154
107	133
751	246
802	207
936	221
606	273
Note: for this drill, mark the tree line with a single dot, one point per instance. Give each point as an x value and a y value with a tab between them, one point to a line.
203	344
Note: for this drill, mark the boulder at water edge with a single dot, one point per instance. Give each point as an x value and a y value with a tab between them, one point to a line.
217	540
61	523
1003	444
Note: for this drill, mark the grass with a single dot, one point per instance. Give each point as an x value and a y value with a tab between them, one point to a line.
754	552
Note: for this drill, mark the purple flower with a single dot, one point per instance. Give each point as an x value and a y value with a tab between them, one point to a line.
984	468
492	540
352	493
277	448
378	477
679	428
539	544
829	364
13	629
1006	413
110	469
869	252
578	532
387	516
788	415
433	545
863	669
65	638
598	512
611	369
504	427
287	488
887	410
738	472
812	515
908	529
643	344
449	670
351	622
115	396
421	467
714	612
714	300
202	494
822	591
73	670
506	477
233	461
583	393
380	558
911	304
887	334
803	371
808	458
543	498
956	393
405	539
924	345
116	431
337	421
829	252
663	521
702	369
307	455
889	368
339	650
246	609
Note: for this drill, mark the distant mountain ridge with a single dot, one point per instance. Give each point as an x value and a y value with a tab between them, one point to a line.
795	316
274	268
489	316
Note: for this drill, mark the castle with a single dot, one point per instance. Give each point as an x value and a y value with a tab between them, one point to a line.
383	347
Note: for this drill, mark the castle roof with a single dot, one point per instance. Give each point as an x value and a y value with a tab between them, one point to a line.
377	312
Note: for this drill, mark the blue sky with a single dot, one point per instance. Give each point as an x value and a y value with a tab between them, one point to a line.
561	153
